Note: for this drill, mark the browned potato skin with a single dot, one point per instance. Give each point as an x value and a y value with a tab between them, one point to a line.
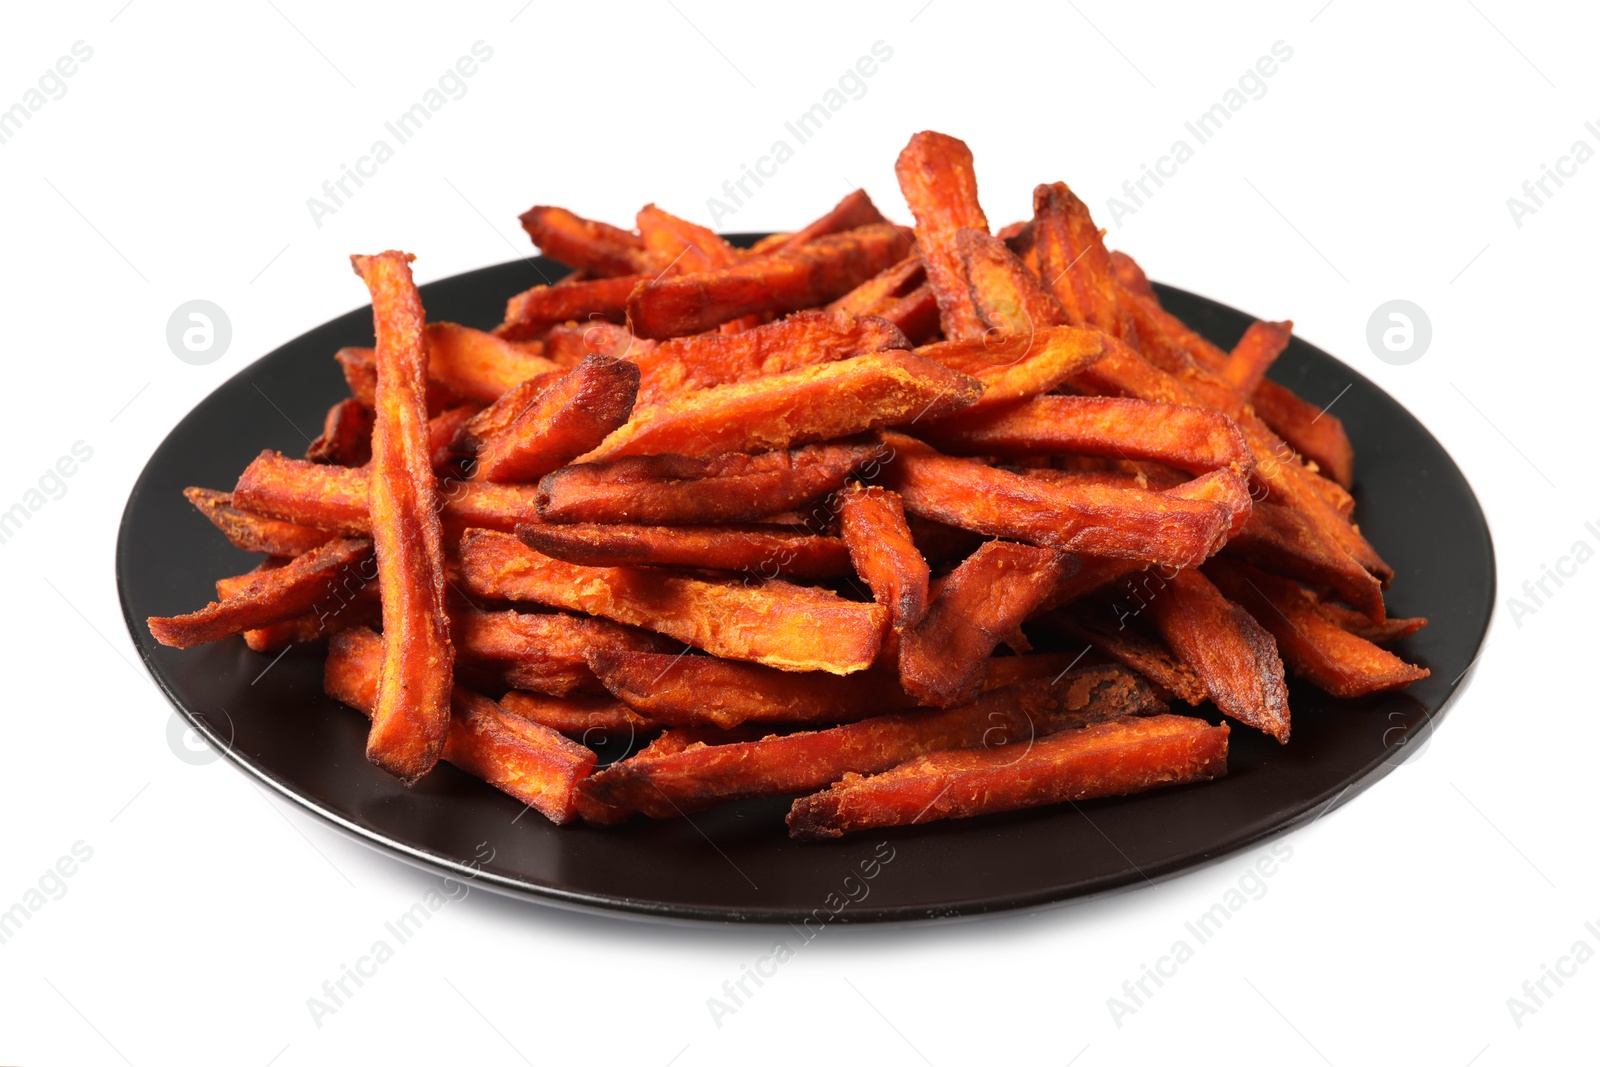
790	280
412	712
979	605
568	416
792	627
1107	759
1235	658
872	521
517	756
758	551
677	490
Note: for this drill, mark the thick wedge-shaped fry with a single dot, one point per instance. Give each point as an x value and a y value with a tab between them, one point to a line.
675	490
1091	519
251	532
583	244
1021	365
872	521
272	596
700	360
1315	647
1261	344
700	776
854	211
679	690
412	713
1234	657
759	551
1098	626
936	177
532	763
545	652
815	403
336	498
1104	760
346	437
792	627
530	313
593	720
1315	433
1188	438
979	605
571	414
789	280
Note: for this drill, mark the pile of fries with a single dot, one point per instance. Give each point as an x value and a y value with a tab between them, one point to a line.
793	517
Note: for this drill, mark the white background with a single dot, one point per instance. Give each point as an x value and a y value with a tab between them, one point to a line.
1377	166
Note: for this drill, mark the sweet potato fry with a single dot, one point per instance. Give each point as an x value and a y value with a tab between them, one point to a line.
872	521
815	403
1121	523
1073	260
1314	432
1131	276
936	177
700	776
882	289
412	713
1261	344
463	365
602	250
346	437
336	498
701	360
1316	648
1285	541
1009	298
677	246
444	431
1390	629
571	414
497	418
759	551
566	345
1188	438
852	212
360	370
1097	625
532	763
270	596
788	280
679	690
1233	656
1020	366
1108	759
980	603
592	720
792	627
545	653
687	490
251	532
530	313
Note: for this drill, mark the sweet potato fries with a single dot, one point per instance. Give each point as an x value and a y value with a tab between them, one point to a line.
790	520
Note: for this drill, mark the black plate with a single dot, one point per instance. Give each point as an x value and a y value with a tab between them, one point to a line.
736	863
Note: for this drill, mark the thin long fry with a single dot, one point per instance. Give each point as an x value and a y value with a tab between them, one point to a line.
346	437
545	652
855	210
530	313
252	532
600	249
412	713
592	720
1099	626
872	521
463	365
1262	343
792	627
677	246
935	173
532	763
1017	366
1103	760
759	551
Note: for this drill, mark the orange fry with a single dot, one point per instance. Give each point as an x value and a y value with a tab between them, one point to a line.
1074	261
571	414
789	280
532	763
1020	366
1315	433
1262	343
852	212
1103	760
412	712
1008	297
1316	648
593	720
271	596
1234	657
1098	626
346	437
463	364
583	244
545	652
530	313
759	551
936	177
979	605
872	521
677	246
679	490
251	532
791	627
